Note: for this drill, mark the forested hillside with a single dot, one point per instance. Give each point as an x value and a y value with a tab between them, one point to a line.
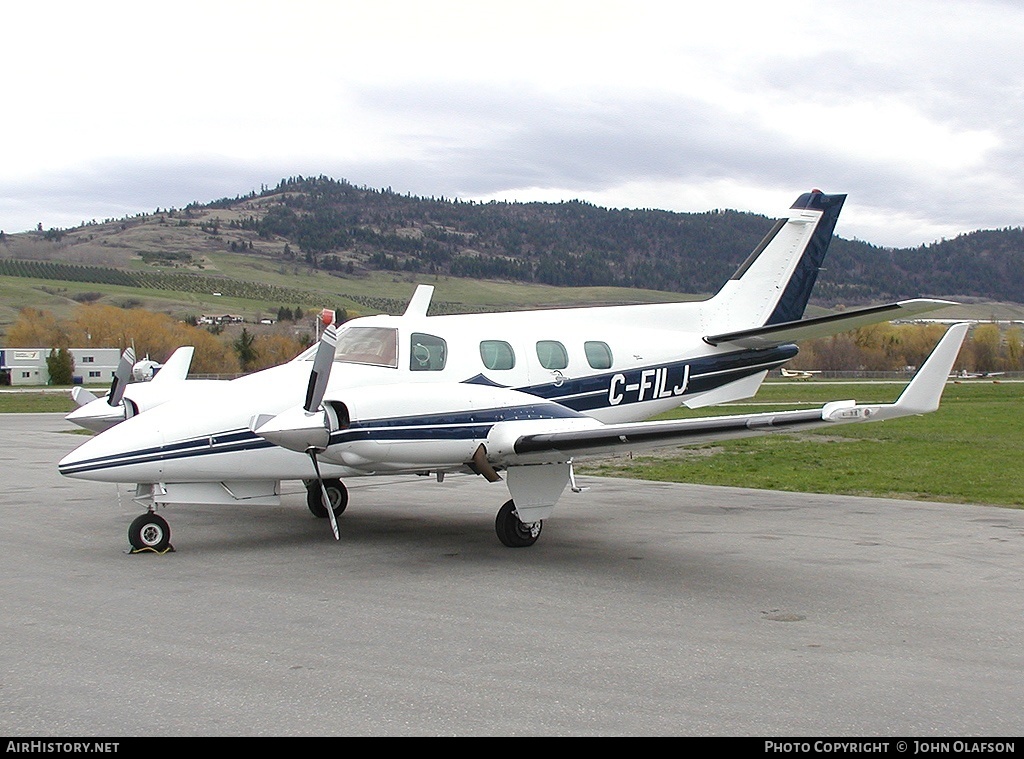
335	226
338	226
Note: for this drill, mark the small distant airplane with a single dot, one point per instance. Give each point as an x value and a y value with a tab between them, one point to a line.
127	399
964	374
513	397
797	373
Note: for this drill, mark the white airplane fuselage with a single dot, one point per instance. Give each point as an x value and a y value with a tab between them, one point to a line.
406	418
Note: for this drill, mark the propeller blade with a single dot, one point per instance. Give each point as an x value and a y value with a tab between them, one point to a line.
122	375
306	429
81	396
323	494
321	373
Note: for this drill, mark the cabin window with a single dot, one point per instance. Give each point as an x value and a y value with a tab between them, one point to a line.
367	345
497	354
552	355
427	353
599	355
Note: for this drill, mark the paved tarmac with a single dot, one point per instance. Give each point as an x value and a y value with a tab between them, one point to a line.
644	609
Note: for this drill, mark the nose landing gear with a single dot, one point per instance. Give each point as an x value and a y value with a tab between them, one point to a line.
150	532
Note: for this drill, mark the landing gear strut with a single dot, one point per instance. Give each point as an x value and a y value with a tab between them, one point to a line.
337	494
512	532
149	532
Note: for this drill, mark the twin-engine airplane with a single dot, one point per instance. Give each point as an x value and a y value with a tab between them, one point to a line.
125	400
513	396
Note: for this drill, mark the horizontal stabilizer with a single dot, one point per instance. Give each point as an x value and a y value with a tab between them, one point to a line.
822	326
920	396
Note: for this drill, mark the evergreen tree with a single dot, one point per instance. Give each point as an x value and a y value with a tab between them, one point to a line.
244	347
61	366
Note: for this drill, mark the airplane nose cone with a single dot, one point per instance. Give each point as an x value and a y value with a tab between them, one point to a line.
97	416
125	452
75	463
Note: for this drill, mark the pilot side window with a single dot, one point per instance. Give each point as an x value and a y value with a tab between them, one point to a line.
599	355
427	353
552	355
497	354
367	345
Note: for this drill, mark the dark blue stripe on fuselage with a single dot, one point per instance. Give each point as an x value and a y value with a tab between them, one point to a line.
456	425
567	400
706	373
225	442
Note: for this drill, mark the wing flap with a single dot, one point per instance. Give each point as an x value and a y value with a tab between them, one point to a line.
643	435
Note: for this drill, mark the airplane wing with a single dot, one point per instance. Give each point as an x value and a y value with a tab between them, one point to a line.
822	326
920	396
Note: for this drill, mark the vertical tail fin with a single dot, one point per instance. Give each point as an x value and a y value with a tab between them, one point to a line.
177	366
774	284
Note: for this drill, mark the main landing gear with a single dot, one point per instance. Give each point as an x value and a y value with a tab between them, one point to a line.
512	532
337	494
150	532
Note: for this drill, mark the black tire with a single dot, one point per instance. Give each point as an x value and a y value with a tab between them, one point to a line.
337	493
513	533
149	531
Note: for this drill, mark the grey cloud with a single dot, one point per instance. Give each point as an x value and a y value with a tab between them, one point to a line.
592	144
489	141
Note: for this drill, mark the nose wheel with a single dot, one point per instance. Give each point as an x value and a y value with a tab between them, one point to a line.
149	532
512	532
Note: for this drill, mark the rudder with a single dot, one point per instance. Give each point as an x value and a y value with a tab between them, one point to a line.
774	283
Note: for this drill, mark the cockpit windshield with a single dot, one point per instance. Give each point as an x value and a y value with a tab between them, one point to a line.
368	345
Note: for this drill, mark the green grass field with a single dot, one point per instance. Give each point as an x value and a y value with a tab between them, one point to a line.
969	451
371	293
36	402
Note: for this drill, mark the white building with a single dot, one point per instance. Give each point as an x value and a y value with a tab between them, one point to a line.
27	366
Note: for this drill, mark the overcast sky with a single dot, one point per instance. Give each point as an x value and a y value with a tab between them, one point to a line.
915	109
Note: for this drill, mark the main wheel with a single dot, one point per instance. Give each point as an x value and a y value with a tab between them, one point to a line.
512	532
149	531
337	494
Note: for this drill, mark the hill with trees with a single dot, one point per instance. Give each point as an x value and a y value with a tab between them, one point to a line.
334	226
